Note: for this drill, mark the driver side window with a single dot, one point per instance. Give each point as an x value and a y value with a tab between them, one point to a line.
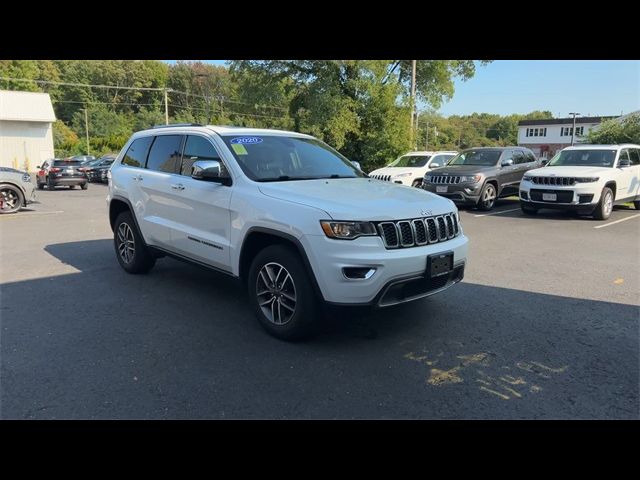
196	148
624	155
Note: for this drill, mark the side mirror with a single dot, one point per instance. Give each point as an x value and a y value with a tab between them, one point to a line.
434	165
544	161
624	162
507	163
356	164
210	171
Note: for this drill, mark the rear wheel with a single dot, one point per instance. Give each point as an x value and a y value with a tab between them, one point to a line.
11	199
605	205
83	186
281	293
133	255
50	184
636	204
487	197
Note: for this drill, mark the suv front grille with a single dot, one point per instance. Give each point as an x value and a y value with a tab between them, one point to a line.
560	181
386	178
443	179
419	231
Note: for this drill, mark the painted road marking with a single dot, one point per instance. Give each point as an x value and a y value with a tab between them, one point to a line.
496	213
29	214
618	221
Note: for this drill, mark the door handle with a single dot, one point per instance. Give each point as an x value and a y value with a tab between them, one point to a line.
177	186
138	178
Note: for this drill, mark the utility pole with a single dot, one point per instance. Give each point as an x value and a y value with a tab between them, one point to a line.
166	106
415	137
413	90
86	128
573	130
426	143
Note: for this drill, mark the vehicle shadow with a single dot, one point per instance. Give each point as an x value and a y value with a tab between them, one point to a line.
548	214
182	342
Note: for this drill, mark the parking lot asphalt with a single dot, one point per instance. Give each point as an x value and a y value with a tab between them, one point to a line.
546	324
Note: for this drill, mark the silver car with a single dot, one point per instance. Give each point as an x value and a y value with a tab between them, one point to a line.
16	190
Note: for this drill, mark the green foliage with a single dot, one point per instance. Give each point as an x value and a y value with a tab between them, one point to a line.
612	131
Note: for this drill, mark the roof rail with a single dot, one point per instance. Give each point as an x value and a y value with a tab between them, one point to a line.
178	125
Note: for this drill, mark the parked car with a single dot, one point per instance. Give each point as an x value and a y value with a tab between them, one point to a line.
285	213
478	176
57	172
410	169
84	158
589	179
16	190
94	170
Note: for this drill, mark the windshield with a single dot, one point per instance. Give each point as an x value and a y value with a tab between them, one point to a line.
67	163
271	158
410	161
476	157
584	158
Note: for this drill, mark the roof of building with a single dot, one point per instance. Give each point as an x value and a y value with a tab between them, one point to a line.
26	106
563	121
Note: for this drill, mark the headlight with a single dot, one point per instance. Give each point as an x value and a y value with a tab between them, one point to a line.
587	179
400	175
526	178
26	178
470	178
348	230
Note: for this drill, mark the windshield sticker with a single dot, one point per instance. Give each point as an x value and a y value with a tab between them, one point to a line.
239	149
246	140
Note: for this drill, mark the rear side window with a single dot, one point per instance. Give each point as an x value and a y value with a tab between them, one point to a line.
634	155
197	148
137	153
164	155
624	155
529	156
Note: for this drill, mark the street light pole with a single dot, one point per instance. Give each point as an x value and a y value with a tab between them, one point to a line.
166	106
573	129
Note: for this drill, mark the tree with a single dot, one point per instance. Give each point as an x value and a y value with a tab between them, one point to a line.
616	131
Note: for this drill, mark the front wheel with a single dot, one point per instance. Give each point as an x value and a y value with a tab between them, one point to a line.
83	186
133	255
605	205
417	183
636	204
281	293
487	197
11	199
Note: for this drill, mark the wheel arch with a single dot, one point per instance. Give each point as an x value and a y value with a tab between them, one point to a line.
117	205
20	189
258	238
612	185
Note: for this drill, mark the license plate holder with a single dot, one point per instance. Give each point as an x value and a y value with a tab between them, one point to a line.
549	197
442	189
439	264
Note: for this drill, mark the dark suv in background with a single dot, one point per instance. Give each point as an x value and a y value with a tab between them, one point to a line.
96	170
477	176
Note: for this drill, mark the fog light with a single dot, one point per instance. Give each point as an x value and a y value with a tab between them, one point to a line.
358	273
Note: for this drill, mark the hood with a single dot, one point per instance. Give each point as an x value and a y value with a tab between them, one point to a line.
360	198
463	169
570	171
393	171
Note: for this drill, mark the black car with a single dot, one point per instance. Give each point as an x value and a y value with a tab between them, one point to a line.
94	170
477	176
55	172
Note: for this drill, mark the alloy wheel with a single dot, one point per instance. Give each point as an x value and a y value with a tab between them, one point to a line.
276	293
9	200
126	243
489	196
608	203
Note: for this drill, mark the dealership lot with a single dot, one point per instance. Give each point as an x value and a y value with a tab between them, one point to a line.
545	325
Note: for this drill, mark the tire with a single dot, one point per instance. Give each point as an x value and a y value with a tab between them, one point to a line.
487	197
136	258
636	204
528	209
417	183
40	185
71	187
605	205
50	185
11	198
84	186
295	291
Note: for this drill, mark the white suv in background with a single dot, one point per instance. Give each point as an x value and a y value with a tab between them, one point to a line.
285	213
589	179
410	169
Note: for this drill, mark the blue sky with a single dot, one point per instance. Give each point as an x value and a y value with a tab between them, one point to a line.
591	87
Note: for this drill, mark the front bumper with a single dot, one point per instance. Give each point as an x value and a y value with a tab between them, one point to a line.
578	197
464	194
403	267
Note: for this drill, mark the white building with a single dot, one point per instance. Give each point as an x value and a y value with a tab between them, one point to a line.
26	129
546	137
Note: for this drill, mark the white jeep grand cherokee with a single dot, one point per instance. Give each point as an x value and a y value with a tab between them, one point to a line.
285	213
410	168
588	179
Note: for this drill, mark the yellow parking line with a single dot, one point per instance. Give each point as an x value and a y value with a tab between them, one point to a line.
618	221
